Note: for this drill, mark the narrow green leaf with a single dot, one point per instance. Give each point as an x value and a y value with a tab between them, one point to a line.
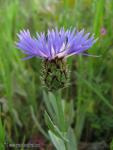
53	102
37	123
72	144
54	128
47	103
58	143
2	136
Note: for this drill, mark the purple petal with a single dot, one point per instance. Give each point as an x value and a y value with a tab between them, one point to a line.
56	43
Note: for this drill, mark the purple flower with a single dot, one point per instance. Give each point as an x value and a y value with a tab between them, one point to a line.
103	31
55	44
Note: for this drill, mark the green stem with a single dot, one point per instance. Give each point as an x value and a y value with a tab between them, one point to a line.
60	111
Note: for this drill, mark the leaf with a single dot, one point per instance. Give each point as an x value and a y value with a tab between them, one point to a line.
58	143
68	112
55	109
111	145
2	136
53	102
37	123
54	128
48	105
72	144
16	117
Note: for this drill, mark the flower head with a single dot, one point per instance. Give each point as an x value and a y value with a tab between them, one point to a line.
56	43
53	47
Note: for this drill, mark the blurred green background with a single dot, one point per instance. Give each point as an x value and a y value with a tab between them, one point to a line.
91	86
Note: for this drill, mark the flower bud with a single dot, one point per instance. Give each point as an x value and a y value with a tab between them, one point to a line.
54	73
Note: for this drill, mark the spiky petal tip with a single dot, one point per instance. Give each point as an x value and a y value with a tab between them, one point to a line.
56	43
